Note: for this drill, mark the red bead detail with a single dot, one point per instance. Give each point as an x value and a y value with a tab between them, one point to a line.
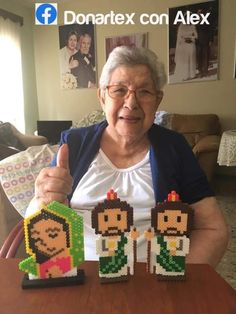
111	195
173	197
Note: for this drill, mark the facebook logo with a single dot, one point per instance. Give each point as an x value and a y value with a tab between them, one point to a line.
45	13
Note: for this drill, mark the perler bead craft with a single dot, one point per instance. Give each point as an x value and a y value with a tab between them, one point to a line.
54	240
112	219
168	241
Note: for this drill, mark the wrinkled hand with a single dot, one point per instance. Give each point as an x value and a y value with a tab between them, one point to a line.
55	183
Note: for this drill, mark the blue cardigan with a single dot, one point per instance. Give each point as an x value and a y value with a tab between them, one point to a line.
173	164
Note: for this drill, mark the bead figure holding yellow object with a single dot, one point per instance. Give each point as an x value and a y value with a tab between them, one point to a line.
116	250
169	243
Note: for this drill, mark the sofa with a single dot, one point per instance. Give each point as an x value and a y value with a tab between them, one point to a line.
201	131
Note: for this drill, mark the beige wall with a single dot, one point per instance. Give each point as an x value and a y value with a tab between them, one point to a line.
28	63
203	97
42	78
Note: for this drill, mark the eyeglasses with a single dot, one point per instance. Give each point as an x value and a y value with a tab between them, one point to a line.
121	92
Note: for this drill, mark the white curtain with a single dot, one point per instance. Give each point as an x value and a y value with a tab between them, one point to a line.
11	83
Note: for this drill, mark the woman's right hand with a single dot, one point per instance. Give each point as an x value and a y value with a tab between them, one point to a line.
55	183
73	64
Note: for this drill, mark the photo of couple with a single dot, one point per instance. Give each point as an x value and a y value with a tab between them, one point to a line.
77	56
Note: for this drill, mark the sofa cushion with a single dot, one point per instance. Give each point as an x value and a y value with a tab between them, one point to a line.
93	117
163	118
202	124
192	138
209	143
195	127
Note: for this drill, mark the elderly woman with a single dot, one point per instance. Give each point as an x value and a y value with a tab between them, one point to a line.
141	161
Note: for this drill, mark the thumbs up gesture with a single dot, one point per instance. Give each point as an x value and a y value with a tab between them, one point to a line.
55	183
63	157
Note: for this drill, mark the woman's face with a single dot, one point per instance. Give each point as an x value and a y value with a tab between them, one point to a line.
72	42
49	236
131	117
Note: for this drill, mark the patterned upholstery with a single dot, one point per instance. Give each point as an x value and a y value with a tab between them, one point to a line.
94	117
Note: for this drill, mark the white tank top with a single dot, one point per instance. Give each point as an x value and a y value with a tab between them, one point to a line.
133	185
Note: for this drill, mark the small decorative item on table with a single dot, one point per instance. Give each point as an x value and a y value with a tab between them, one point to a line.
112	219
54	239
168	242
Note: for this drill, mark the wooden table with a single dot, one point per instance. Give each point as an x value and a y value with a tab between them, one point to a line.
203	292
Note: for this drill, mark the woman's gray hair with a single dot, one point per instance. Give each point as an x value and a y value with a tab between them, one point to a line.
130	57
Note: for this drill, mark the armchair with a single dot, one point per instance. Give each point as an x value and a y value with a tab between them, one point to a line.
202	132
6	151
13	141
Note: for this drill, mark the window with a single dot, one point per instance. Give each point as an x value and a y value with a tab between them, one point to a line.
11	83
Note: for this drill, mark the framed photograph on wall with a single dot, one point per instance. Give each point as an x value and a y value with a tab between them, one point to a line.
234	72
77	56
132	40
193	48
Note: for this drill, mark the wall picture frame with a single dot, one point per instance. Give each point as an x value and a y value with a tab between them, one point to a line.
193	49
77	53
234	69
131	40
